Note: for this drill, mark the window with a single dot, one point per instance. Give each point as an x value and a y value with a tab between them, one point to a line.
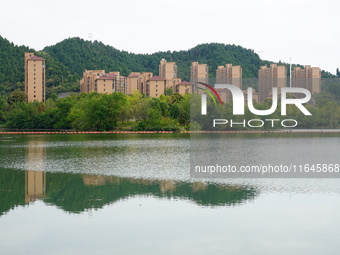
156	85
156	90
35	96
156	94
34	87
104	89
34	92
34	78
34	74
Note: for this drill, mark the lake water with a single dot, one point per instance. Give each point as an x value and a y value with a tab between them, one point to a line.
132	194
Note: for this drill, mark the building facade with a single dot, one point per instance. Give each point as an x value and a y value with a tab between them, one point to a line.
256	95
183	87
198	73
270	77
87	83
155	86
105	84
138	79
173	83
101	82
35	80
132	84
167	70
308	78
229	74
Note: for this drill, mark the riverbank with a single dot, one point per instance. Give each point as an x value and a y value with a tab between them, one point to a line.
171	132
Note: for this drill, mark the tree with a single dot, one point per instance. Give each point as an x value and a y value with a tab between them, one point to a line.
168	92
184	110
97	111
17	96
3	108
24	116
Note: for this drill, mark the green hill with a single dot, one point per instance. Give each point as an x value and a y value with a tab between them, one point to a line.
58	76
77	55
67	60
11	65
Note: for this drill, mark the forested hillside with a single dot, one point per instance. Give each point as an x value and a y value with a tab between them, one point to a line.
66	61
58	77
11	65
78	55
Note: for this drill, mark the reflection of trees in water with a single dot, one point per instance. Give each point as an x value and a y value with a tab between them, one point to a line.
77	193
12	189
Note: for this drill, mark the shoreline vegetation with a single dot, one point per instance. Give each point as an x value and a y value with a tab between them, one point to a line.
173	112
292	131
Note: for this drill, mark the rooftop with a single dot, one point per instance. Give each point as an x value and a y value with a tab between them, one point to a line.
36	58
184	83
156	78
107	76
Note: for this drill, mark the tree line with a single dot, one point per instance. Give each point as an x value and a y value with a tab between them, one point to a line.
172	112
96	111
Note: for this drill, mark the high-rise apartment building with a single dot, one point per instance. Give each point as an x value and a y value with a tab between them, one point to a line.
269	77
308	78
35	81
229	74
198	73
167	70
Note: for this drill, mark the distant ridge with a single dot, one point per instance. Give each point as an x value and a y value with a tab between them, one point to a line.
78	55
67	60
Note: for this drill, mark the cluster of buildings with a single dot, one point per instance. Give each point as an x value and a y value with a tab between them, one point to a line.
275	76
142	82
155	86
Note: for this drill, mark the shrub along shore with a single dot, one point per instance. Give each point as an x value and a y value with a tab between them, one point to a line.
117	112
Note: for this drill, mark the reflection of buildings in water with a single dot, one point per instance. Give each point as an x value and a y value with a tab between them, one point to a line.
98	180
166	186
90	180
35	181
198	186
35	185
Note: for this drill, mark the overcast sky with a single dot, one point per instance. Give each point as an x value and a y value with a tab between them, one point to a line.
305	30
